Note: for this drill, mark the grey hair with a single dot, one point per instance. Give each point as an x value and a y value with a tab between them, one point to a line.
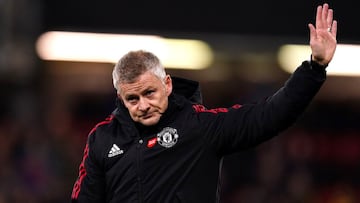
135	63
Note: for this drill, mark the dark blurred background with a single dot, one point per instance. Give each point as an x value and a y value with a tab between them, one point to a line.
47	108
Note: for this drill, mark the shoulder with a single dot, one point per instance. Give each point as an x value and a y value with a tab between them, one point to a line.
101	128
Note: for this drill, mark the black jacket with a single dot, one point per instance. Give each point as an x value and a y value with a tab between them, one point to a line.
179	159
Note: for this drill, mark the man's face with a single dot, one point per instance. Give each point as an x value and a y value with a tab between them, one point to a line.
146	98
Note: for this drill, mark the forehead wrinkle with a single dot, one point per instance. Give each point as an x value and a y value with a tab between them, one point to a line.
138	87
132	89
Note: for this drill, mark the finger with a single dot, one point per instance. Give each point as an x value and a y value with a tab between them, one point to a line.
318	16
329	19
312	31
325	12
334	28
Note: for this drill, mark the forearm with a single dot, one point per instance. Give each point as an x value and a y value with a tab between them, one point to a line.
287	104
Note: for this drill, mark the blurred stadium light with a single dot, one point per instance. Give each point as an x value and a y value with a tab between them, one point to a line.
108	48
345	62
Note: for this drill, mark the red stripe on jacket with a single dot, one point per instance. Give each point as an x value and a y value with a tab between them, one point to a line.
82	169
200	108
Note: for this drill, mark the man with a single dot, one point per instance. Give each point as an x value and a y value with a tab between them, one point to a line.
162	145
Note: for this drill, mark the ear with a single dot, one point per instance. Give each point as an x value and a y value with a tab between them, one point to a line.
168	85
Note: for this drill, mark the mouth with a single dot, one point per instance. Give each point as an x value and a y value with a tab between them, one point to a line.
146	116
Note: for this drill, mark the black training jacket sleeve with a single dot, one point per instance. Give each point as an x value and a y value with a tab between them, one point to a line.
252	124
90	184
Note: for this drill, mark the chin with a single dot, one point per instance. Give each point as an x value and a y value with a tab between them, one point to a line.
150	122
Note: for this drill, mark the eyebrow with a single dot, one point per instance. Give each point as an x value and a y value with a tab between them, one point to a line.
141	93
130	96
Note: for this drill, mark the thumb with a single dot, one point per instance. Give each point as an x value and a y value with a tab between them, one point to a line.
312	31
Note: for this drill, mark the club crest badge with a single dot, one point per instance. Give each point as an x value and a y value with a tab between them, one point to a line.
168	137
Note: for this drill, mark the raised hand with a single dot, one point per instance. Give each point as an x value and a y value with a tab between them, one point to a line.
323	36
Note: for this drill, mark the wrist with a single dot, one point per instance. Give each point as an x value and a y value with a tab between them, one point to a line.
317	63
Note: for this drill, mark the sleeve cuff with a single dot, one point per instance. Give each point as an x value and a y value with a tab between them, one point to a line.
316	66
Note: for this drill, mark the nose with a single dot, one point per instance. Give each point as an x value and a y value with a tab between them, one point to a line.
143	105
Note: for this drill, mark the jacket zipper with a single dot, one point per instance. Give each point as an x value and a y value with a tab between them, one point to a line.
139	170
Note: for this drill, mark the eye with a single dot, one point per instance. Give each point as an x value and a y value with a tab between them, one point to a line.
132	99
149	92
